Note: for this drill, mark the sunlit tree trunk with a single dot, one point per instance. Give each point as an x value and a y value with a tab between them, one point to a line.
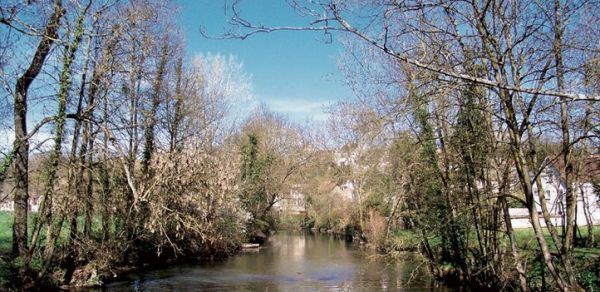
570	194
178	111
523	173
54	226
21	169
151	118
73	171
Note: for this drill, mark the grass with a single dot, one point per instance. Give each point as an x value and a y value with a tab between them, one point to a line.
526	239
586	260
6	222
405	239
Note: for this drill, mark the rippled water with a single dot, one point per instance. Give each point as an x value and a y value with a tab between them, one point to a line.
288	262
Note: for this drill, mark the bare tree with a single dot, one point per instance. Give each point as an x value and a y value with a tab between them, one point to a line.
21	195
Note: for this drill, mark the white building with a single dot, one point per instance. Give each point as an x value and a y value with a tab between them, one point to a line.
9	205
294	203
588	208
345	159
345	190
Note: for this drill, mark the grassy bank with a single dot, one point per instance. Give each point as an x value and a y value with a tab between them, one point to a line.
7	265
586	259
141	254
407	239
6	221
526	239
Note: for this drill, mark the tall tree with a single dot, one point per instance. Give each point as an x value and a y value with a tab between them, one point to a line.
21	194
151	117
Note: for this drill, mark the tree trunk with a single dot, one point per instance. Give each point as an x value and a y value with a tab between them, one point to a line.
105	179
590	241
70	258
54	228
178	115
504	190
89	184
21	194
570	195
391	217
151	118
541	193
525	181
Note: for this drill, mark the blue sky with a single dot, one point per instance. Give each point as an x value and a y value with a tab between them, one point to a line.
293	73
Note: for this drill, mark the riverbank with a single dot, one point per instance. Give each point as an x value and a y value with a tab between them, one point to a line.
140	256
587	259
92	275
401	243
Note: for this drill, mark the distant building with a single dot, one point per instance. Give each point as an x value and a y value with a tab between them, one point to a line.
346	159
294	204
8	205
344	191
588	208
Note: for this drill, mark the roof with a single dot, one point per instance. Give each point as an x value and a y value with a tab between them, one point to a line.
590	167
518	213
523	213
327	186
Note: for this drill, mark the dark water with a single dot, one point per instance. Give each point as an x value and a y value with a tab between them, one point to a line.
288	262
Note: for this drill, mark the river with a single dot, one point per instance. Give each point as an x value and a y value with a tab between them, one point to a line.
288	262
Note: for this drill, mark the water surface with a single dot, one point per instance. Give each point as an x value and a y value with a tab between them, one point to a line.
288	262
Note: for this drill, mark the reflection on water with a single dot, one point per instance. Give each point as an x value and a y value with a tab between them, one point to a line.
288	262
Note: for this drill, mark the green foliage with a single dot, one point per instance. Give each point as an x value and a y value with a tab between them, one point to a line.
255	194
427	177
6	265
512	203
428	185
536	276
253	163
588	269
292	222
376	200
350	229
470	135
5	272
253	174
470	141
6	163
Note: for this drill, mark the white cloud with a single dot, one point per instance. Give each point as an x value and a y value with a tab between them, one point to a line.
299	109
7	136
295	106
40	142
